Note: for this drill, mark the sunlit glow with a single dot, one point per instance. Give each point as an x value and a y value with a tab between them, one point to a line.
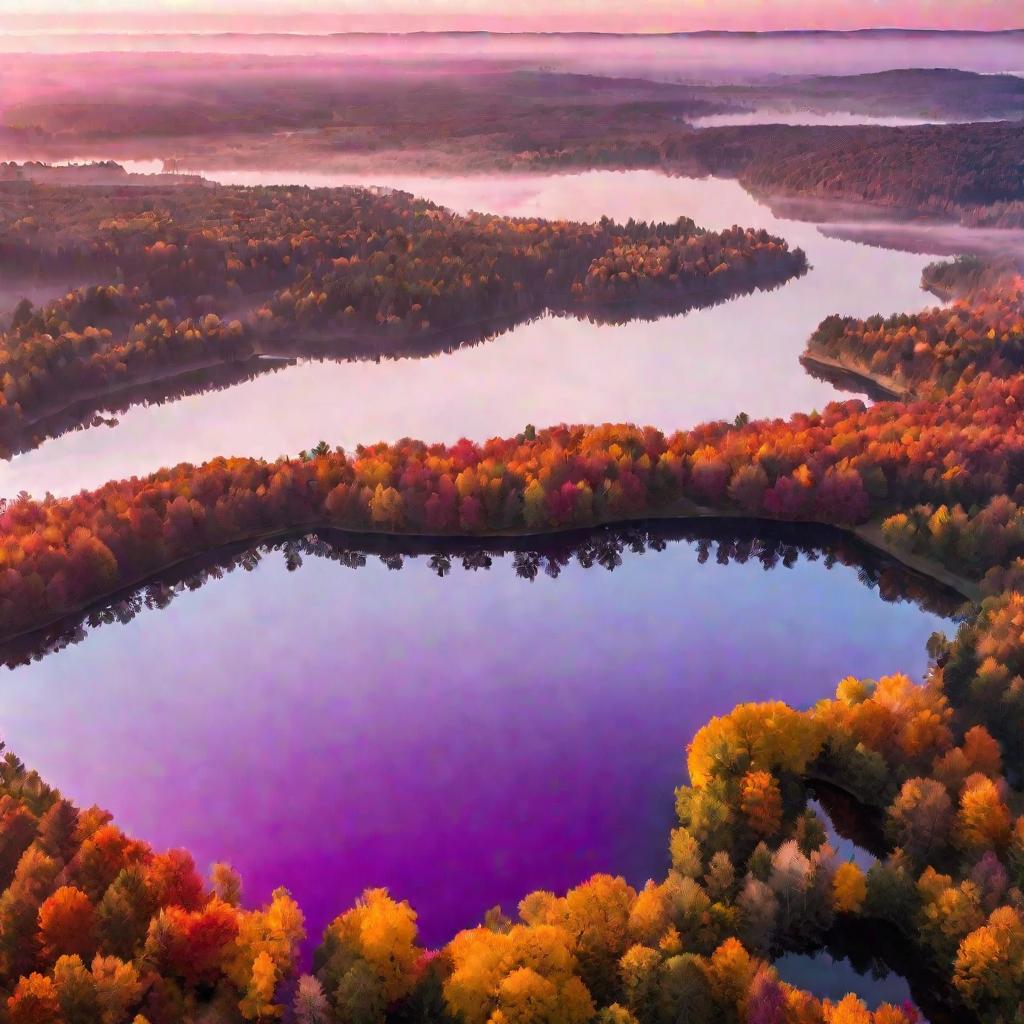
526	15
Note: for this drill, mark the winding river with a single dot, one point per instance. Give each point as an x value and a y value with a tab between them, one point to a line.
676	372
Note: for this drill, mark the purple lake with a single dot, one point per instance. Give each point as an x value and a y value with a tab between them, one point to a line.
462	740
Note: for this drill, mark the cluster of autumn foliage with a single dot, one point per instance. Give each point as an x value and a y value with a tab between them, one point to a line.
97	928
203	274
940	347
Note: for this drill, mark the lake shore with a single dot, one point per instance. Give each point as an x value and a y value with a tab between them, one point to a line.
868	534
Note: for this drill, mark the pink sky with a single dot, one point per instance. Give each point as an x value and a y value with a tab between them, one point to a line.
510	15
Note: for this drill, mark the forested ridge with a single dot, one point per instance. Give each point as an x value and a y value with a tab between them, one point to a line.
204	274
980	331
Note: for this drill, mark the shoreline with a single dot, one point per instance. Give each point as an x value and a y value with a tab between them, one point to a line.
868	534
876	382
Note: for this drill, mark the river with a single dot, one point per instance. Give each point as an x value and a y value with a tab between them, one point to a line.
713	363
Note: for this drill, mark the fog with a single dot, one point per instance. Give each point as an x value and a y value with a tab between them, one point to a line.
701	57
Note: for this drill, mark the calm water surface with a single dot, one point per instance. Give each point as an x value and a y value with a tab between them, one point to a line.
832	978
806	117
676	372
462	740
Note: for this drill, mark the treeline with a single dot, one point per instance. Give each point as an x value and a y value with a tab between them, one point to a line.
206	274
841	466
969	541
95	926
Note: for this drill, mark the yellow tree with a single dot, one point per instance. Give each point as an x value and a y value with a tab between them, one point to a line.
849	888
983	820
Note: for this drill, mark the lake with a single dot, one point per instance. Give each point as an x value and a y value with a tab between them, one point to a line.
461	738
708	364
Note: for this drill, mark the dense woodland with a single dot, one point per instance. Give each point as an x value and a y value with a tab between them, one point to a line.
936	94
955	171
96	926
201	274
752	872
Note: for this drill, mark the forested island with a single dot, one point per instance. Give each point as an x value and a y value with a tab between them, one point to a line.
201	275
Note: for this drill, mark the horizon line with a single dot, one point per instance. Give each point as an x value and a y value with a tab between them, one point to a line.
44	30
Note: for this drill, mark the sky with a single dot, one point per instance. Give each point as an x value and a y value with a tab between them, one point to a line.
504	15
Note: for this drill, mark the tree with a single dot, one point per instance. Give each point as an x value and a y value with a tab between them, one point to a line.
754	737
34	1001
761	802
227	884
597	918
983	820
67	925
258	1001
374	947
720	877
989	967
118	987
311	1006
639	970
920	817
76	991
685	852
849	888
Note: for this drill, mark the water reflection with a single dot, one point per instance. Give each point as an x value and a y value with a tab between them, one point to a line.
855	832
877	963
276	354
770	545
765	115
832	978
442	728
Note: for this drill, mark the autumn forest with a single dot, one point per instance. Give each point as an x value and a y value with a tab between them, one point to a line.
186	234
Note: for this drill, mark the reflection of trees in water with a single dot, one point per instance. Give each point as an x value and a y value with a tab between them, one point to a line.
99	411
844	379
771	545
268	354
852	820
876	949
